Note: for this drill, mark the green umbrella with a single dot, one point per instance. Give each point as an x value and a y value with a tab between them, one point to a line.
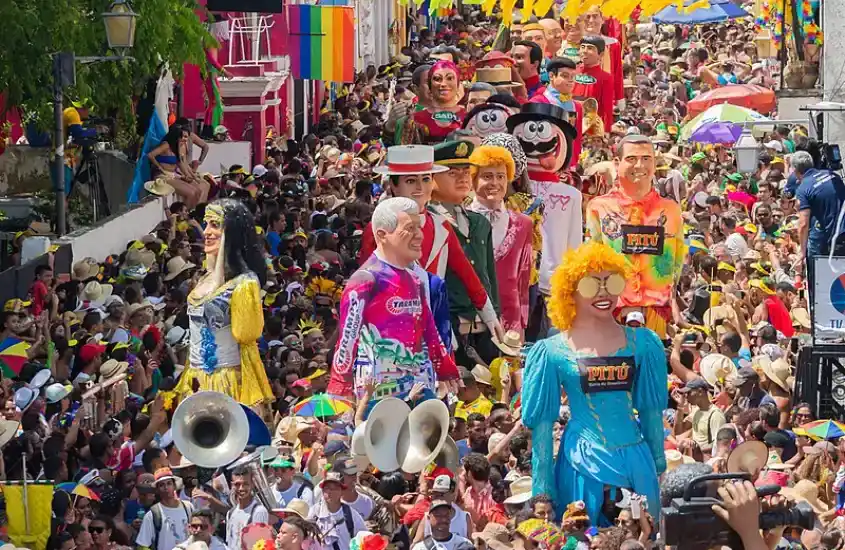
720	116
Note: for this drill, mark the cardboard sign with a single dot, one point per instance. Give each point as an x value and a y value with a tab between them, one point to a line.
600	374
643	239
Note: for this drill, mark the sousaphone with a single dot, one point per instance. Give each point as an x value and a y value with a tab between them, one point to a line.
210	429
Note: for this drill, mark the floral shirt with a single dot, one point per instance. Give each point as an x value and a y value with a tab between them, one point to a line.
650	234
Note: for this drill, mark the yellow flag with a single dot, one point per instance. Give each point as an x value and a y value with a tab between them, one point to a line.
488	6
700	4
541	7
527	8
507	12
39	508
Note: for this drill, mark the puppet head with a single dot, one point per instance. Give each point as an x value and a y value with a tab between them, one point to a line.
486	119
454	185
397	228
593	21
588	281
444	84
514	148
230	237
492	170
545	135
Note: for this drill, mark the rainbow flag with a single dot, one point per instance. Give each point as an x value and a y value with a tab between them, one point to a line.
322	42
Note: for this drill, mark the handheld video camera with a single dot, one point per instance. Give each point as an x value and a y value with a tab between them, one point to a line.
689	523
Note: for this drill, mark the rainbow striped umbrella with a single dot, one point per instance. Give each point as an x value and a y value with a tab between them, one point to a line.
824	429
13	356
82	490
322	405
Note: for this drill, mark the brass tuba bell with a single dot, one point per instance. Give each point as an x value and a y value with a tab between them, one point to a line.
210	429
449	457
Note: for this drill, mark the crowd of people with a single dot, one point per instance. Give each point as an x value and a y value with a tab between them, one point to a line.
527	151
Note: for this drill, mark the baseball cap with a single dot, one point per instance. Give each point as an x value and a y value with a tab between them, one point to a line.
345	465
775	145
145	483
439	503
698	157
335	477
334	447
695	384
90	351
747	374
700	199
635	317
442	484
259	170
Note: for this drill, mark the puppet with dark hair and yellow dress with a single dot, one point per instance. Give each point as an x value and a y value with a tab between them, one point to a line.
224	310
615	381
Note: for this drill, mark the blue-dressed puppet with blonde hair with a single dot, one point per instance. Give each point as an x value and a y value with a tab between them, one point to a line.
608	372
224	310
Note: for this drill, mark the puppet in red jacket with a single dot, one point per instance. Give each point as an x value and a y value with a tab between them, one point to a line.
593	81
611	59
546	136
443	115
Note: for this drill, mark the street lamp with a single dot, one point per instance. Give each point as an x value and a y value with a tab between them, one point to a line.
746	150
120	22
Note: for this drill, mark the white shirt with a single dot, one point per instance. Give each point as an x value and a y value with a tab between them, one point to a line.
736	245
174	527
498	218
216	544
450	544
458	525
364	505
238	518
284	497
333	525
562	228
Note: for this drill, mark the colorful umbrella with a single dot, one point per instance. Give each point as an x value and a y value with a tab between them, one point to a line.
719	124
696	12
322	405
67	486
13	356
824	429
83	491
750	96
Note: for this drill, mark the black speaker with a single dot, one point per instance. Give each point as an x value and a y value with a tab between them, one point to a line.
247	6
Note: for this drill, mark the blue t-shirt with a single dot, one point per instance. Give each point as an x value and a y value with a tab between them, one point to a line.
274	240
822	193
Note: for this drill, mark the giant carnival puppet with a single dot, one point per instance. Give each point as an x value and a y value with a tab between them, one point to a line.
615	382
224	310
411	169
452	187
646	228
387	331
493	169
611	61
443	114
546	136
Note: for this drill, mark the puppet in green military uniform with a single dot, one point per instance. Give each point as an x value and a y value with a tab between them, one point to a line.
475	234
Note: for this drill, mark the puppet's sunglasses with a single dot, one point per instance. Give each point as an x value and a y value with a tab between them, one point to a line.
590	286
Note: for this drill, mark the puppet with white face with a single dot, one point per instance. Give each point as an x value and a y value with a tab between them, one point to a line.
545	134
487	119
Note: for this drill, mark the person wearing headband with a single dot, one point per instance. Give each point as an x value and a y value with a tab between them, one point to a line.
224	310
607	371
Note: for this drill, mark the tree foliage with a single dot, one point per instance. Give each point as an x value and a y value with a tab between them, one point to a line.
168	33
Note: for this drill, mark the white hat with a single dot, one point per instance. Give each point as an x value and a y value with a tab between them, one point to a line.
41	377
177	337
259	170
220	129
715	368
408	160
24	398
775	145
635	316
160	187
700	199
442	484
520	491
56	392
176	266
95	292
113	299
8	430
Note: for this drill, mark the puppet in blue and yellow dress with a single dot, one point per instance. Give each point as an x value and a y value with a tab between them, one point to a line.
224	310
616	382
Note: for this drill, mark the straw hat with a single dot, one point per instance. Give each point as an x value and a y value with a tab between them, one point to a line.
749	457
160	187
482	375
520	490
176	266
85	269
112	368
801	317
143	257
495	536
675	458
96	292
779	372
135	308
806	491
716	368
8	430
511	343
296	506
